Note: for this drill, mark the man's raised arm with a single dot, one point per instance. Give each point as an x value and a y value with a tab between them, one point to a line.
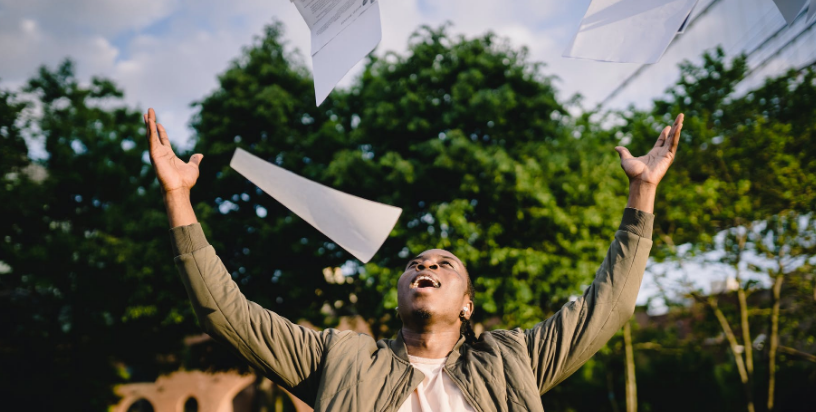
559	345
287	353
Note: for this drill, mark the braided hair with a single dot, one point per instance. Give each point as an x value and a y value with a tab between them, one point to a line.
467	328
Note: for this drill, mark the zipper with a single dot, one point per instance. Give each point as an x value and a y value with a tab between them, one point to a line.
399	384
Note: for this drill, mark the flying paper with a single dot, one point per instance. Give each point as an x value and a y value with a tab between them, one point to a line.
685	23
343	32
629	31
357	225
790	9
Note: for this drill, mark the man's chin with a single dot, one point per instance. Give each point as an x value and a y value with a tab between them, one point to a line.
421	314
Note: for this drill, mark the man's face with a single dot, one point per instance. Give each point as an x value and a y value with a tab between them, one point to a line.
434	287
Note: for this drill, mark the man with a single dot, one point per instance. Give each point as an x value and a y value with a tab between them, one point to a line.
435	363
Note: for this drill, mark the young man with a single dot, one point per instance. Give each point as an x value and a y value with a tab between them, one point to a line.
434	364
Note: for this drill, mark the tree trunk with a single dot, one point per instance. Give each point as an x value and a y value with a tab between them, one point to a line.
774	339
743	309
746	331
795	352
732	342
631	384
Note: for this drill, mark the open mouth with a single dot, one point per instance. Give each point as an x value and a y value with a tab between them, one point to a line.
425	281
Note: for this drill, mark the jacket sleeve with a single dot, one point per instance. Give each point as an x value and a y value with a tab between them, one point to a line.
287	353
559	345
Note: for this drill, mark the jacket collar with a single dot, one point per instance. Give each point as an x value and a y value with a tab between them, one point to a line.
400	350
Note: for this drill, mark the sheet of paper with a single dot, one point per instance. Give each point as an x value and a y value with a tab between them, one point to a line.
343	33
357	225
682	28
628	31
790	9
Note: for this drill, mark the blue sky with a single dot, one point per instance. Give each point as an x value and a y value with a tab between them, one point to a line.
167	53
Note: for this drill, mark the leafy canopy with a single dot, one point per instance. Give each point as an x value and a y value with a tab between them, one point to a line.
466	135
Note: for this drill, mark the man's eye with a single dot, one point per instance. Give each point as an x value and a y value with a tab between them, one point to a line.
447	263
412	264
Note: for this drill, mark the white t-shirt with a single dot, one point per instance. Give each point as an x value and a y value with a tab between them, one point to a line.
437	392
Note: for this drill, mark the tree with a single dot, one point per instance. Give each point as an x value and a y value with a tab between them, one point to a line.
749	169
469	138
89	296
13	149
466	135
478	129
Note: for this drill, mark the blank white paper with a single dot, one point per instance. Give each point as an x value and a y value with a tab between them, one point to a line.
343	33
628	31
790	9
357	225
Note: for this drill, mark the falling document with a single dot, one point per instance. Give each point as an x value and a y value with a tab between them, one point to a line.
685	23
791	9
343	32
811	12
357	225
629	31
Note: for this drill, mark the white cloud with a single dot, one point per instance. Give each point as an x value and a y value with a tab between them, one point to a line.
102	17
167	53
166	66
28	44
170	52
544	28
29	27
171	71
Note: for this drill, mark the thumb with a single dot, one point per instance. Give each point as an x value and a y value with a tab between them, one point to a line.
195	159
623	152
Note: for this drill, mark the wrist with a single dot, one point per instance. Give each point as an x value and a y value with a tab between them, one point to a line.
179	208
642	195
176	194
642	186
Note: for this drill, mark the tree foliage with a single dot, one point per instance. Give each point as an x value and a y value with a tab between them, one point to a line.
748	175
466	135
87	285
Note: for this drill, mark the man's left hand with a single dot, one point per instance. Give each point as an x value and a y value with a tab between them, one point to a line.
650	168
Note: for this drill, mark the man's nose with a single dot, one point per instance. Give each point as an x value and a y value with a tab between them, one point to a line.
427	264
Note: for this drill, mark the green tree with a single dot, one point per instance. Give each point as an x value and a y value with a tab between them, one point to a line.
13	150
466	135
475	148
87	283
745	165
469	138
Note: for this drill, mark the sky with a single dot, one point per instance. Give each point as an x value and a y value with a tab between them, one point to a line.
167	54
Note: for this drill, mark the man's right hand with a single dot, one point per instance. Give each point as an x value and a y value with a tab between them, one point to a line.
173	173
175	176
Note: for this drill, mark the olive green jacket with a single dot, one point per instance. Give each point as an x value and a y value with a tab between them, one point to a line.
504	370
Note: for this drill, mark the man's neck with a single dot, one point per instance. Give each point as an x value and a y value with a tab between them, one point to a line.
432	343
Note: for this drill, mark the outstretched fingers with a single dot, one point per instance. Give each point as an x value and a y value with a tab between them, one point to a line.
163	135
152	133
676	136
623	152
195	159
661	140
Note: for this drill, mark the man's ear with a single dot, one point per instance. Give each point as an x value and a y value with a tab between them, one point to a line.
467	309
